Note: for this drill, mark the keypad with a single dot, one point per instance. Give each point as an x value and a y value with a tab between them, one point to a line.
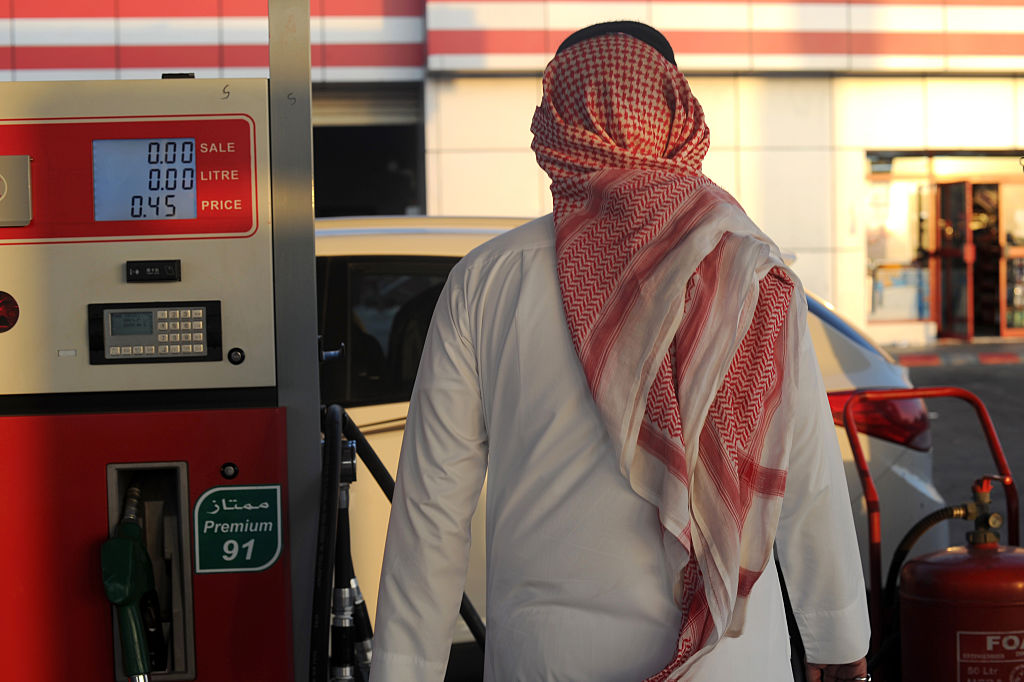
179	332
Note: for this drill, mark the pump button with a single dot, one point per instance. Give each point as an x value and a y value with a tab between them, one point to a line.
9	311
153	271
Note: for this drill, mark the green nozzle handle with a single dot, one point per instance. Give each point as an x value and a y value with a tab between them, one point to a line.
127	575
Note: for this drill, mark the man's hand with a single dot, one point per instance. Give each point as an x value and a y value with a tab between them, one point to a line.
821	672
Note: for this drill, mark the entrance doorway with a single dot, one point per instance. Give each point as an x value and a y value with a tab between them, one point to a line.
978	263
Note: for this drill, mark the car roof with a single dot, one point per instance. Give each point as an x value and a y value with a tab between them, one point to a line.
412	235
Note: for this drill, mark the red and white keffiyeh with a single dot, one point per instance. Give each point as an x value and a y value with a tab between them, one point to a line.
680	311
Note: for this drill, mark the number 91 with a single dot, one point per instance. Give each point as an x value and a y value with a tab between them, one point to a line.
231	549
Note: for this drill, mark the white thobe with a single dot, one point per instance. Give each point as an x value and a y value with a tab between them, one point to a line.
577	586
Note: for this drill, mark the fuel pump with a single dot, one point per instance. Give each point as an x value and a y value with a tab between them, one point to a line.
144	400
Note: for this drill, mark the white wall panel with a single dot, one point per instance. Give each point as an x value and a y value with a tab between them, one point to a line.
575	15
722	166
481	113
1018	112
851	195
964	113
788	193
700	16
880	113
717	97
850	284
896	18
790	16
785	112
814	268
487	183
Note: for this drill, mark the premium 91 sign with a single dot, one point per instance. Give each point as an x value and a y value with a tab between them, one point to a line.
237	528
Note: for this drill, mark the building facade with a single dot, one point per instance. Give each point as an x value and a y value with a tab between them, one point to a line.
877	141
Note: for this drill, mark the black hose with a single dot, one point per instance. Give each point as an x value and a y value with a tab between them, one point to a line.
887	655
326	542
373	464
903	549
381	474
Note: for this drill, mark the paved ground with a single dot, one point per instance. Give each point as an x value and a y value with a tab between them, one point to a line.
954	352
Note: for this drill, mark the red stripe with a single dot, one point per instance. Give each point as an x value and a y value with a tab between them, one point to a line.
486	42
60	8
920	3
920	360
374	55
532	41
197	56
985	43
384	8
246	55
799	42
709	42
899	43
998	358
240	8
148	56
98	57
249	8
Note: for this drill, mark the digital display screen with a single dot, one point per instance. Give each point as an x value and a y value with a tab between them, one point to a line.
148	179
131	324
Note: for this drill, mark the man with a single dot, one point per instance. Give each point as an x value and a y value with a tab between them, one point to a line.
634	374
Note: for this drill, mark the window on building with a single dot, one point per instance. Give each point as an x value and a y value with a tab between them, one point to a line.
368	150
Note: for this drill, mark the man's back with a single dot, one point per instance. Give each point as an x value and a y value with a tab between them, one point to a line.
577	585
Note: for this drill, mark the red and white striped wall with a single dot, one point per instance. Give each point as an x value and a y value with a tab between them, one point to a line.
743	35
352	40
401	40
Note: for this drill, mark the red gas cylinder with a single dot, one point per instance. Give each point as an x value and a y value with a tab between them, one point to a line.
962	615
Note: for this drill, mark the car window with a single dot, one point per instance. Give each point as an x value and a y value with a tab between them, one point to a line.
379	309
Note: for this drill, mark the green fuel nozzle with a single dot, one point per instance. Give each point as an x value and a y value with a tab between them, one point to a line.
127	578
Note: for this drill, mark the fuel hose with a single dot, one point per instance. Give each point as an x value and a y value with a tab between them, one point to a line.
387	484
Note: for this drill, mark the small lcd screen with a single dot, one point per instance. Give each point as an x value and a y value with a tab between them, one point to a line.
147	179
131	324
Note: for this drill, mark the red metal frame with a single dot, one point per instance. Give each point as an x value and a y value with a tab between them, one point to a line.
871	493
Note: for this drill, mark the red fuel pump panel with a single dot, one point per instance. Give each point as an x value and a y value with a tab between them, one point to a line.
57	622
962	615
9	312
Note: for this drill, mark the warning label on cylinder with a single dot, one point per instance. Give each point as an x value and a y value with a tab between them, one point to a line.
990	656
238	528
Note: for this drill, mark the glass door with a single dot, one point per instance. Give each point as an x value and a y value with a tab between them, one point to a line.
955	255
1011	264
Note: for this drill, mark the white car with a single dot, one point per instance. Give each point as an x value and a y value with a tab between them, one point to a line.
377	281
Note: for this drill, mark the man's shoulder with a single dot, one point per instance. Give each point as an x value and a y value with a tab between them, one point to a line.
537	234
